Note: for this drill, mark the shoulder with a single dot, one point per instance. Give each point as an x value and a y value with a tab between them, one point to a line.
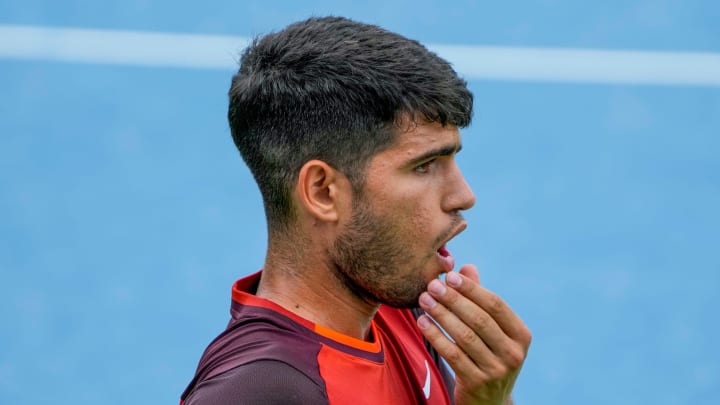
260	382
253	346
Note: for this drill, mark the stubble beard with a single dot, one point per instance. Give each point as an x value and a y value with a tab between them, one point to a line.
370	258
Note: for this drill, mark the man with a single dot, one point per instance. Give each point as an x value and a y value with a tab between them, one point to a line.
351	133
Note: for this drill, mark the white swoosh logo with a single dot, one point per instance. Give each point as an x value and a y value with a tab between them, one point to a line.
426	387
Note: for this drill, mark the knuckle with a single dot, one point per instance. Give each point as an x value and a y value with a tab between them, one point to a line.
453	356
451	297
468	336
525	336
497	371
480	377
514	357
495	303
481	321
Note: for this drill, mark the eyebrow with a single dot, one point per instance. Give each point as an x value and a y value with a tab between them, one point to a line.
448	150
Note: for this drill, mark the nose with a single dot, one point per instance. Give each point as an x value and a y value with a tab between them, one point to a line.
459	196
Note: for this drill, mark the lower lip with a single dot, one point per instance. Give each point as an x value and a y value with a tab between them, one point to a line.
447	261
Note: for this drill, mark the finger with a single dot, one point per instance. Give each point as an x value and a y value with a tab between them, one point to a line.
490	302
473	329
457	359
471	272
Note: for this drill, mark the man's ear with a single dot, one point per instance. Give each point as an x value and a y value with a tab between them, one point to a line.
322	190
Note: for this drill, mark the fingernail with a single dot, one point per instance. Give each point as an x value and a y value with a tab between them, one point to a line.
427	301
437	288
454	279
423	322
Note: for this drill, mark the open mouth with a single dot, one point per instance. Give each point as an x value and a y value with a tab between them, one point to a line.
443	251
446	259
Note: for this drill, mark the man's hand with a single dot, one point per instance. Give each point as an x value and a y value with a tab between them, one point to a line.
490	341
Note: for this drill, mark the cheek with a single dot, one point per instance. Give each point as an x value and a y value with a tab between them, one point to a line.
422	218
413	219
410	211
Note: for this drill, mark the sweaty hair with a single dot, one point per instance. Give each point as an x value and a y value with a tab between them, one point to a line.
336	90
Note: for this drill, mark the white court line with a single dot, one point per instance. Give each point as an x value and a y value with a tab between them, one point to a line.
120	47
472	62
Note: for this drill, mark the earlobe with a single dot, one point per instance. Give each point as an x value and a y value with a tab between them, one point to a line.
319	190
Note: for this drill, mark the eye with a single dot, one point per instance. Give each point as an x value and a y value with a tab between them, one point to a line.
425	167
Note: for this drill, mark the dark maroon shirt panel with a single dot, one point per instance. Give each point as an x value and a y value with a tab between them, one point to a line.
266	382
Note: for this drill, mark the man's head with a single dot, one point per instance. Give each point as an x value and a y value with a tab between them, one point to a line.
334	90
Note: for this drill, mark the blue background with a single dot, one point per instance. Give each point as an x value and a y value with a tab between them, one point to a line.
126	213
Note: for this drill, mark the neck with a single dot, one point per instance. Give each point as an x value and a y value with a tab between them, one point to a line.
301	281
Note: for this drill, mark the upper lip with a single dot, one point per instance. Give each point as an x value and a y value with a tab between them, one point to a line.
461	226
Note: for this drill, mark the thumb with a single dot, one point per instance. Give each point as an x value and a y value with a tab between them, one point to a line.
470	271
